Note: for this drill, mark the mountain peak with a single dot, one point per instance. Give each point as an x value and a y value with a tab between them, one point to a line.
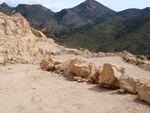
4	4
147	9
91	9
34	6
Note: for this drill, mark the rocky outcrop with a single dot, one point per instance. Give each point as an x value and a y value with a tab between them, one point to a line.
130	83
110	76
144	93
17	39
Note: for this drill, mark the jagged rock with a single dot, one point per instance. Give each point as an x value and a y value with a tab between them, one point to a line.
17	40
61	66
38	33
144	93
47	64
96	75
110	76
130	83
87	52
128	57
80	67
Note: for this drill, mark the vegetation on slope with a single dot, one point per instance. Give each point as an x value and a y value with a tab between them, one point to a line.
115	34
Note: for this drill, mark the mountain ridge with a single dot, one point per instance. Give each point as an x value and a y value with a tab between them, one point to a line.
90	25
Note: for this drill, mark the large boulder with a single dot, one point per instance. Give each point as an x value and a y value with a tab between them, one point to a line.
128	57
47	64
144	93
130	83
61	66
80	67
110	76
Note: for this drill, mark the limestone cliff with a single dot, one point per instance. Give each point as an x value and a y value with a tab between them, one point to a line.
17	39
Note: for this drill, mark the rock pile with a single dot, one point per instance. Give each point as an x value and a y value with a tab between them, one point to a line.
108	76
75	68
133	59
138	60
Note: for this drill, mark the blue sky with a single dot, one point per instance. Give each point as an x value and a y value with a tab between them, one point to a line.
57	5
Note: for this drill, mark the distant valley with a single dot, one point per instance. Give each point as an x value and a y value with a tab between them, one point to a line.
91	25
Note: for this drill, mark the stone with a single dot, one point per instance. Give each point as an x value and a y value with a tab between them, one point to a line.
80	67
38	33
110	76
130	83
76	78
121	90
47	64
61	66
128	57
96	75
101	54
110	54
87	52
144	93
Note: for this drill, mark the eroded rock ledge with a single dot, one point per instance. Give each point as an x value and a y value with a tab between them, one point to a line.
17	40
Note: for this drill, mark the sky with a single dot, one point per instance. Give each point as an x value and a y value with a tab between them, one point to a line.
57	5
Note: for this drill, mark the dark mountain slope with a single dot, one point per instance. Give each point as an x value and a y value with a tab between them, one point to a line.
115	34
90	10
85	13
38	16
133	12
6	9
134	37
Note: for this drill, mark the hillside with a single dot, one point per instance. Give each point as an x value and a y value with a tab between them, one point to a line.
115	34
39	76
44	19
90	25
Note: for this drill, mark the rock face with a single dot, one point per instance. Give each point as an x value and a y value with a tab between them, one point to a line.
130	83
144	93
17	40
110	76
80	67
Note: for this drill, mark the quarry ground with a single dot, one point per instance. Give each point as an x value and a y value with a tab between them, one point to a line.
25	88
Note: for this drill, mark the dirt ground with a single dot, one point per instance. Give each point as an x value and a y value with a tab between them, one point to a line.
25	88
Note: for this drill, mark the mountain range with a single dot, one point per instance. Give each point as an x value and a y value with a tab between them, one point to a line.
91	25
